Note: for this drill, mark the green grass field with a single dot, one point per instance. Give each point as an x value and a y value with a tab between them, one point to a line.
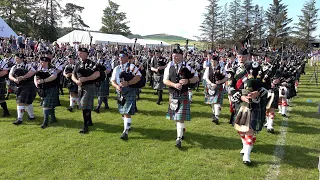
209	151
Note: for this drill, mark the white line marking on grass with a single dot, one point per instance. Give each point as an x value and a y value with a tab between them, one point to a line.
279	151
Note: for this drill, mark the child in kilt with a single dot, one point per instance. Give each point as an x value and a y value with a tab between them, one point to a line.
214	76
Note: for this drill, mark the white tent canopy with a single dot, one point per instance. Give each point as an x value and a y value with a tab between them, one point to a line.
83	37
5	29
150	43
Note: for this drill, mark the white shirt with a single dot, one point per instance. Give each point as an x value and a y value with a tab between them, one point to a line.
29	67
167	69
116	72
206	73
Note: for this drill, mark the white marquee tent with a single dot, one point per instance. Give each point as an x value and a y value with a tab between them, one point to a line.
150	43
97	38
5	29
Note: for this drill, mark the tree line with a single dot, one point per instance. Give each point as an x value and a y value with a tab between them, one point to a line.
43	18
229	24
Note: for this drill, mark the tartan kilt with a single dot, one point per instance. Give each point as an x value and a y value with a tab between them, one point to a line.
87	96
3	90
258	114
103	90
158	82
183	112
217	98
130	106
73	89
51	99
26	93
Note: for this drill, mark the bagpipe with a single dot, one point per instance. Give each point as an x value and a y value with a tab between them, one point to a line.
216	76
128	75
21	70
185	73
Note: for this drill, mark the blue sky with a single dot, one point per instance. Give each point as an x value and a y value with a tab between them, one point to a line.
175	17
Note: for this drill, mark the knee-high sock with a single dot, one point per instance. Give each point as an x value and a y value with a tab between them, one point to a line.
217	110
180	127
284	106
29	109
20	112
271	118
212	108
126	125
46	113
190	95
105	100
86	117
267	118
100	100
52	113
78	101
4	107
72	101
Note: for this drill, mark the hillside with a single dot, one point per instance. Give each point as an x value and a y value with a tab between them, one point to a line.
164	37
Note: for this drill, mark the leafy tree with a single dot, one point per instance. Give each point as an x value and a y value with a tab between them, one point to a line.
307	22
114	22
278	22
234	19
72	11
211	25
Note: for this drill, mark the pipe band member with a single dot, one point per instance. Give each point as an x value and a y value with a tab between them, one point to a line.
22	75
47	89
177	76
124	76
84	75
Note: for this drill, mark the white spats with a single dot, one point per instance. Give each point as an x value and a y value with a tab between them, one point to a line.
20	112
180	127
72	101
30	110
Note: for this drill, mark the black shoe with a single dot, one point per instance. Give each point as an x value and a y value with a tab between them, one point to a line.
247	163
43	126
70	109
158	102
270	131
124	136
84	130
17	122
6	98
31	119
54	121
97	110
284	115
178	143
182	138
215	120
107	107
6	114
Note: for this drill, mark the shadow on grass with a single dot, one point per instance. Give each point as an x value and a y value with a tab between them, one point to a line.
294	155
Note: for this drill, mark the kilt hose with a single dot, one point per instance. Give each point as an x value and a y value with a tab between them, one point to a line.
258	114
3	89
183	111
103	90
87	96
215	99
274	103
130	105
50	100
158	82
26	93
